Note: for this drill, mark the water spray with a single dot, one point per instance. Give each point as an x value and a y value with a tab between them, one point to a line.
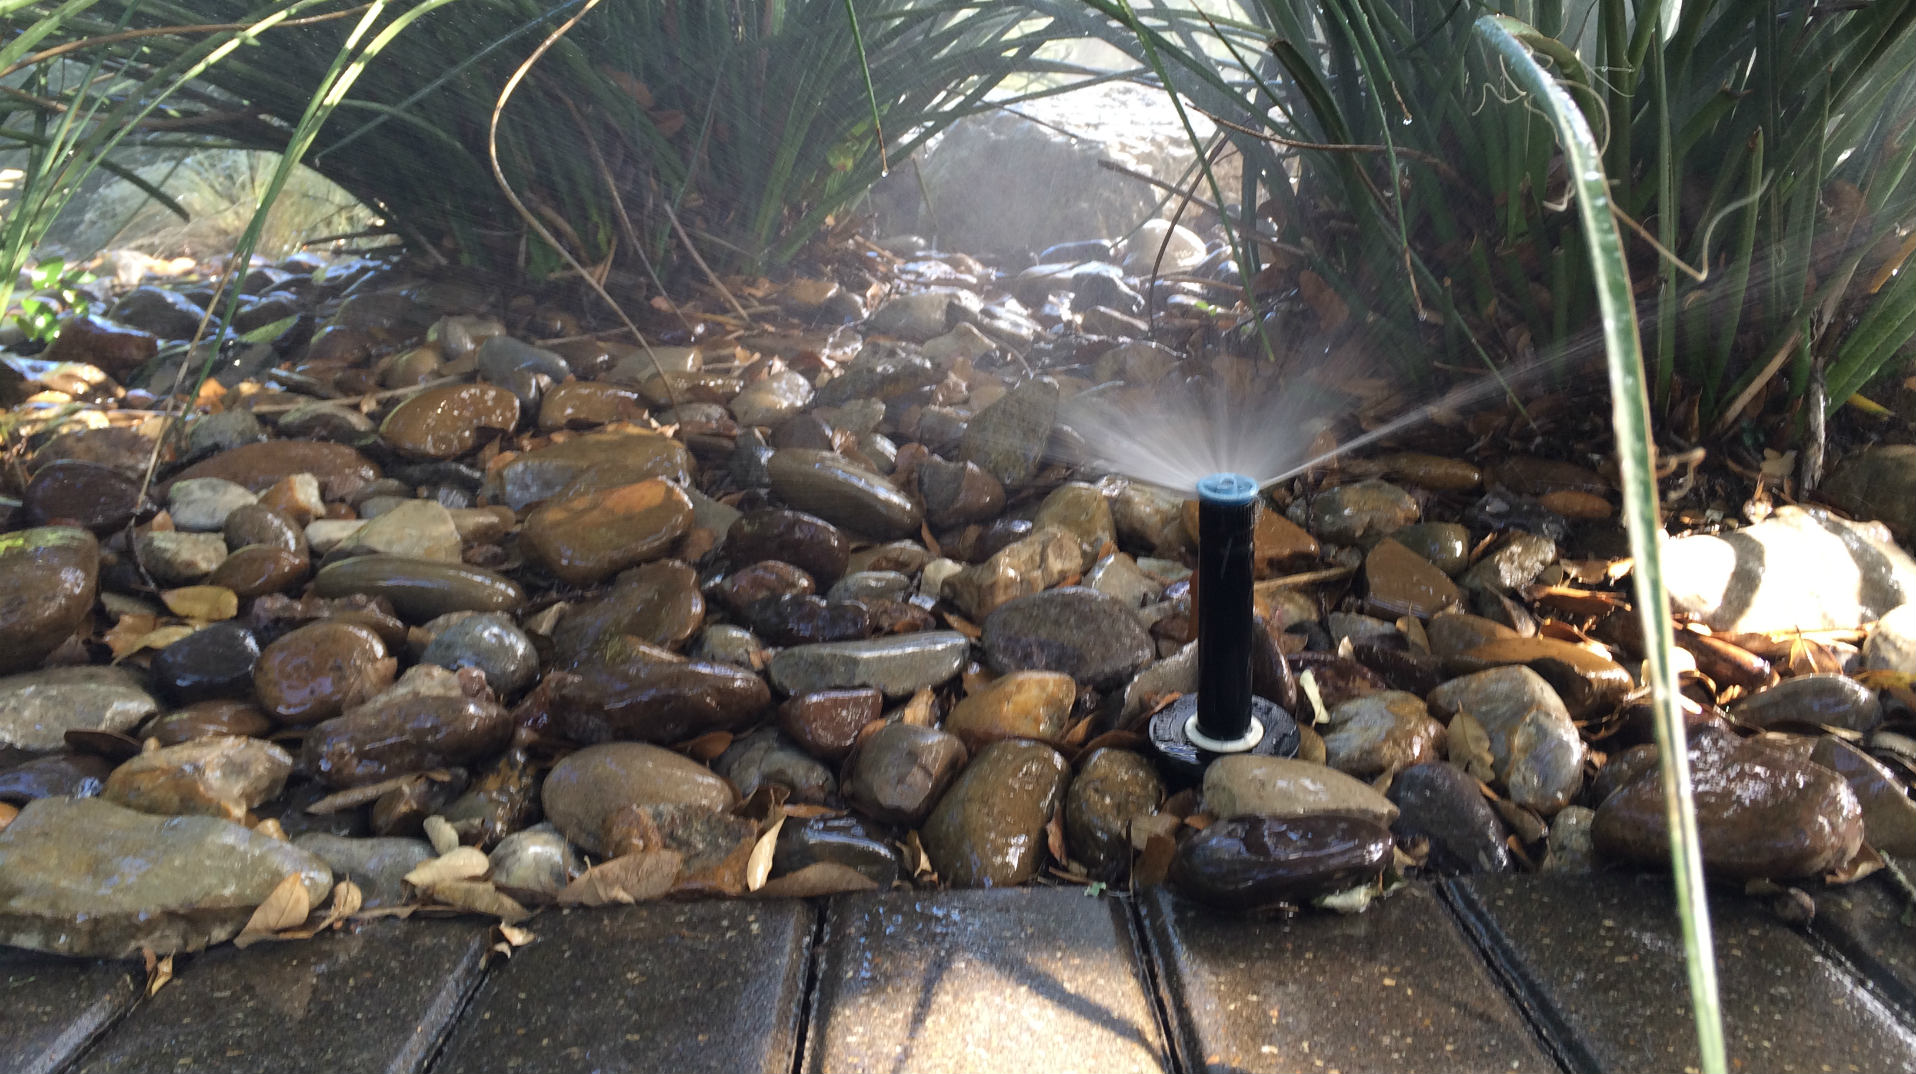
1224	716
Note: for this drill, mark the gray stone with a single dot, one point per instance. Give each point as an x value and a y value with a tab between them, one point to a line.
704	986
773	399
201	504
1536	748
422	529
1243	784
918	317
1442	803
882	370
218	432
377	998
1891	645
899	666
535	864
489	641
1118	577
1839	574
843	493
975	981
1007	439
80	876
1081	632
724	643
1394	988
38	708
176	557
1358	513
1879	482
1602	958
765	757
375	865
1514	562
867	585
1112	788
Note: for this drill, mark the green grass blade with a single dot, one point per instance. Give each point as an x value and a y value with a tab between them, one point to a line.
1631	418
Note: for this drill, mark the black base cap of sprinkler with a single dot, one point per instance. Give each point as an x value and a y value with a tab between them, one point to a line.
1184	761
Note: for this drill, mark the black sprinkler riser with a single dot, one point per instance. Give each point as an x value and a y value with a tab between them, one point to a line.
1224	716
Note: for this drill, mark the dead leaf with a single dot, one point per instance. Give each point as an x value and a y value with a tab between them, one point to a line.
479	897
624	881
1054	837
513	935
464	863
440	834
1866	861
124	637
706	748
358	796
1469	747
819	878
158	970
270	827
962	625
758	867
204	603
286	908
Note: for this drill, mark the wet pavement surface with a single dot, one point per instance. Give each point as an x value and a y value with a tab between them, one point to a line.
1511	973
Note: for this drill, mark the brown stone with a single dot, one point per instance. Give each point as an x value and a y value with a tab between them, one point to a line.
1589	684
258	569
340	470
450	421
116	348
988	830
583	404
826	723
213	776
407	733
1401	582
48	578
318	671
1022	704
590	538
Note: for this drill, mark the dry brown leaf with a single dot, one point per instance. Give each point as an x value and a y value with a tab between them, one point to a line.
270	827
962	625
758	868
164	636
464	863
124	638
1054	837
1154	862
819	878
1866	862
158	970
358	796
1469	747
205	603
479	897
623	881
440	834
286	908
706	748
513	935
916	859
8	811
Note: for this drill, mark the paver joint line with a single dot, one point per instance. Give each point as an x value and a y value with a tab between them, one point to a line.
1481	932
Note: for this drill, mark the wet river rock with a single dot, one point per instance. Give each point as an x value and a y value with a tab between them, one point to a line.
1023	704
1244	784
408	733
586	463
897	666
808	542
215	661
376	866
489	641
1831	700
767	758
341	470
1760	812
988	829
658	603
1442	803
840	491
1535	747
852	842
449	421
318	671
652	697
1075	630
826	723
216	776
88	878
48	578
589	787
1378	733
588	539
85	494
900	771
1246	862
420	589
1112	788
38	708
55	775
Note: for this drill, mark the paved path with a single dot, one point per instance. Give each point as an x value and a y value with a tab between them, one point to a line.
1515	973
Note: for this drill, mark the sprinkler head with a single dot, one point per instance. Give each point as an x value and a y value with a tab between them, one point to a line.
1224	716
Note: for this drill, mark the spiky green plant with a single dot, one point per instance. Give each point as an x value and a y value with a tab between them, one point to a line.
650	129
1767	148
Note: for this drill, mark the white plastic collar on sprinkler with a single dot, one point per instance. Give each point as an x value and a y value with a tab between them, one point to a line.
1252	736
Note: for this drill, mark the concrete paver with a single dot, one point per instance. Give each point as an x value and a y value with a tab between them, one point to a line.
1866	923
1600	957
1395	988
1040	980
665	987
376	1000
50	1007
